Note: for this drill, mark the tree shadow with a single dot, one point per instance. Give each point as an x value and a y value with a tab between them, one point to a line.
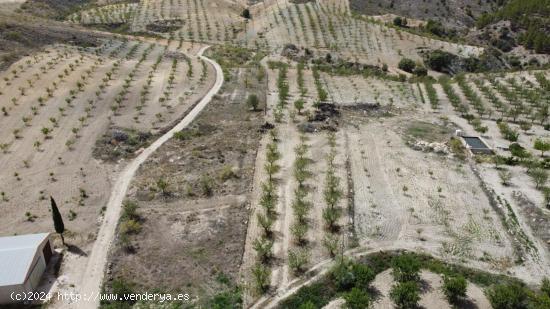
375	293
76	250
276	261
424	286
465	303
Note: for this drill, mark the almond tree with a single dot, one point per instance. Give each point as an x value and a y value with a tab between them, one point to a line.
542	146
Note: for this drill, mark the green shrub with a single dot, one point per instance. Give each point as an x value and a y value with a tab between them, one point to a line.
405	294
119	287
348	274
299	232
457	148
507	132
545	286
542	146
308	305
406	267
253	101
317	294
505	177
186	134
342	276
206	185
357	299
439	60
407	65
420	71
297	260
540	302
518	151
266	223
400	22
129	210
263	247
130	227
330	242
454	288
435	27
226	299
227	173
261	274
13	36
539	176
163	186
299	105
508	296
363	275
331	216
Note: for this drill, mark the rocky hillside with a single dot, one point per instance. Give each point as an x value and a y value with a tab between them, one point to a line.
453	13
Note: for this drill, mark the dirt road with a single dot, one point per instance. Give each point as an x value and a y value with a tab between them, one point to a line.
91	283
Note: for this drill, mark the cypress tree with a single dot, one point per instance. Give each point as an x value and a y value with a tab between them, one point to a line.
57	220
246	13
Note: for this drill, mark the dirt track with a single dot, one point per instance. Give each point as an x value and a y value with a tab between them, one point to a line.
398	197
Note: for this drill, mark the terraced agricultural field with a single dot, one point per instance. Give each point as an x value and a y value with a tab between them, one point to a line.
441	204
107	14
61	101
74	112
278	153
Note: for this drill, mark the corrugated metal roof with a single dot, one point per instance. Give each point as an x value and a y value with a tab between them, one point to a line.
16	255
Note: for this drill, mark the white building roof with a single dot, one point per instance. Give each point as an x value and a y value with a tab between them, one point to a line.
16	257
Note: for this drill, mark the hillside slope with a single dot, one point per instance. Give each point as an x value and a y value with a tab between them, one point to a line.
21	35
56	9
454	13
529	22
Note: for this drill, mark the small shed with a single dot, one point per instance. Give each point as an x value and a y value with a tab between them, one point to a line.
23	260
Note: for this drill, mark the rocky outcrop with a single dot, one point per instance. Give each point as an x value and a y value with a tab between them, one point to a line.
165	26
445	62
439	148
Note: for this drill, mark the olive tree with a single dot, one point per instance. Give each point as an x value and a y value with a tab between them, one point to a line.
261	275
253	101
505	177
542	146
539	176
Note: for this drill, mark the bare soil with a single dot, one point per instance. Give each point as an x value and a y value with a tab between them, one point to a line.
201	223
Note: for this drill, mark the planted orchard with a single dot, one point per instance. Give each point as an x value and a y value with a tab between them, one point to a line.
73	93
332	196
298	257
266	217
